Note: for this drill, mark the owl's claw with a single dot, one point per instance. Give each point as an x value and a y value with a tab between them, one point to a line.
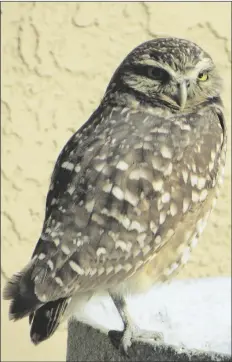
134	334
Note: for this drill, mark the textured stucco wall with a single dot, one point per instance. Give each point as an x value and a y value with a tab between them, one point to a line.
57	59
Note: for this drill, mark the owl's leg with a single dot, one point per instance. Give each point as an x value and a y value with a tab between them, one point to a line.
131	333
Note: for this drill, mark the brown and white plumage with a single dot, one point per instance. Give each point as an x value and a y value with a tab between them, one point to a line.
132	189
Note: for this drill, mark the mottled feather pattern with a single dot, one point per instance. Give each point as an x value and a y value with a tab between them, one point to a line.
96	220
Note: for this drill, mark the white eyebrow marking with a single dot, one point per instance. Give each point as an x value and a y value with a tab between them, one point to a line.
203	65
154	63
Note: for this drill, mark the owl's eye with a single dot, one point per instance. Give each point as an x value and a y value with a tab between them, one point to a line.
158	74
203	76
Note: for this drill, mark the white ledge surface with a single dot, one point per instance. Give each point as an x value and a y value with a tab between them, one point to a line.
194	313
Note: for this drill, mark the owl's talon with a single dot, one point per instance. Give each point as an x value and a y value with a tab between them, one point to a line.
131	335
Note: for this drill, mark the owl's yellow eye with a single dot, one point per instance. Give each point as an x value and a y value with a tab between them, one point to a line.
203	76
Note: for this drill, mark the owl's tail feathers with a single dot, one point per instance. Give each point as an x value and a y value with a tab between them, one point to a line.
20	290
43	317
46	319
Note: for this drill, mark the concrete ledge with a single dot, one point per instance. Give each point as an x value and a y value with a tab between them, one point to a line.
193	315
88	344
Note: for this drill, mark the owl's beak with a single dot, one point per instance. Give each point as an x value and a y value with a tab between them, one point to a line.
182	95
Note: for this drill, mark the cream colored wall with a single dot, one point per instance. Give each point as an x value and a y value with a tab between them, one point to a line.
57	59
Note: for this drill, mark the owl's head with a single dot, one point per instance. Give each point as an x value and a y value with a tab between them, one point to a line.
172	71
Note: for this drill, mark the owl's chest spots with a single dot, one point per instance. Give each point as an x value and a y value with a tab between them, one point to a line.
169	260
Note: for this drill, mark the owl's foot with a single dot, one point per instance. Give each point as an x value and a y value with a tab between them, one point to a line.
124	340
131	332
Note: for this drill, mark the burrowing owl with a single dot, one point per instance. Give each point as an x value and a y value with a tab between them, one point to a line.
132	189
